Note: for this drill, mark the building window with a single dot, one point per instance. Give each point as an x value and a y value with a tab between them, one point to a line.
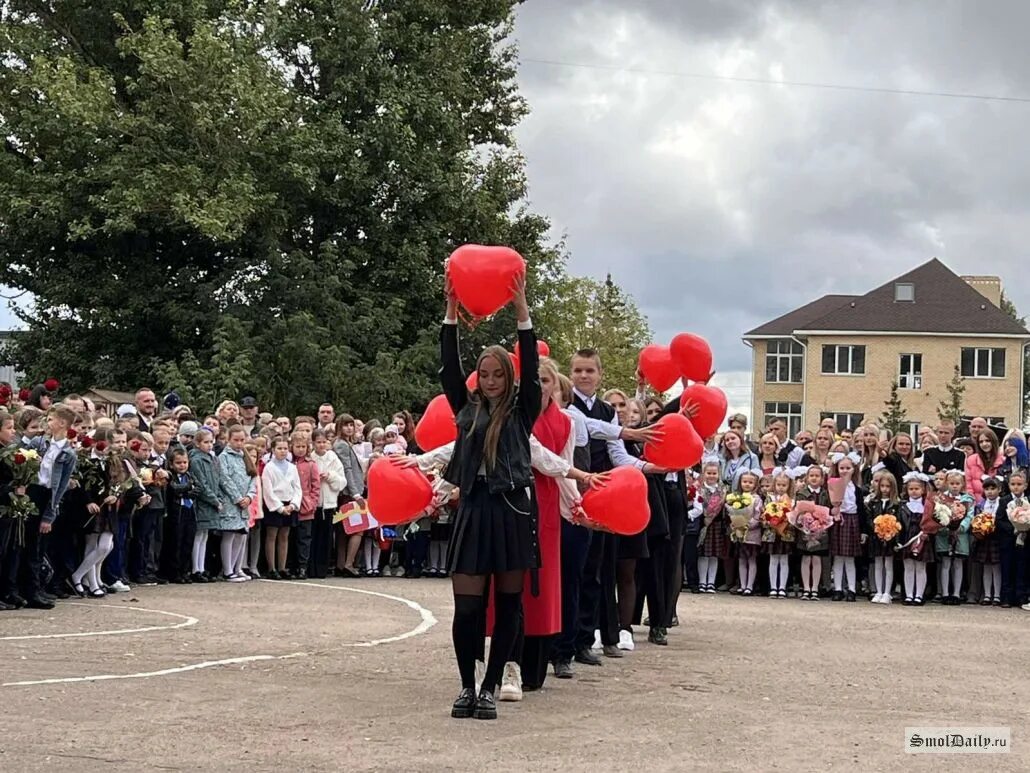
784	362
913	430
910	371
983	363
850	421
904	292
843	360
789	412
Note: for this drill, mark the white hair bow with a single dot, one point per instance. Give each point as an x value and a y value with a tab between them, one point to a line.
838	457
877	467
797	472
915	475
986	477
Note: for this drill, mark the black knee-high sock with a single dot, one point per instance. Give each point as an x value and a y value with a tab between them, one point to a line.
506	630
467	633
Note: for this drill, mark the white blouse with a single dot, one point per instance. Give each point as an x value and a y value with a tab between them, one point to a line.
278	488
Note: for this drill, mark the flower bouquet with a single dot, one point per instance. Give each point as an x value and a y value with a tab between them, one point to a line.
1020	518
982	526
812	521
774	519
886	527
836	487
23	464
740	508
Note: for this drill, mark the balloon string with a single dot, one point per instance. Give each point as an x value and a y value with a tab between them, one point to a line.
470	321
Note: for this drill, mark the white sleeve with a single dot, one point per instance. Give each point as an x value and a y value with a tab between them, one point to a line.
438	457
696	508
298	492
268	487
545	461
618	454
602	430
568	492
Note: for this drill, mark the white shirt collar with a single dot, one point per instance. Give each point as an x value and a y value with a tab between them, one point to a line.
589	401
946	449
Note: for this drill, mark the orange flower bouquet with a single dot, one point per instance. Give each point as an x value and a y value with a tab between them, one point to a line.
886	527
982	526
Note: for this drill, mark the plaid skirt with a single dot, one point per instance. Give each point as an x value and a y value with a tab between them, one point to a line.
716	544
777	547
846	536
880	549
747	550
986	551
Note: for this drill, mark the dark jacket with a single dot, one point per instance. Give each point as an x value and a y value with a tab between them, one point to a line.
178	490
935	460
512	470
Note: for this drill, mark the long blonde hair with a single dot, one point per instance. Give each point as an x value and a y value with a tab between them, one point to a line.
502	409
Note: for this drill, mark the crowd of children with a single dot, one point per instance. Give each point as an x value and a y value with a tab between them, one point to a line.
155	496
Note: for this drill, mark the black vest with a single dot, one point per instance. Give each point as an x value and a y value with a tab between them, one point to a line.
599	459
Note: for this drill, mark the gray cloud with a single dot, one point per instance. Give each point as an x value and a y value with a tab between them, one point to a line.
720	205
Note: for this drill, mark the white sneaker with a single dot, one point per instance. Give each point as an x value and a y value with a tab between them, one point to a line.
238	578
597	640
119	587
887	599
626	641
511	683
1025	607
480	674
878	598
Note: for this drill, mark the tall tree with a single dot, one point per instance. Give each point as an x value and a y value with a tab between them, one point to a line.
302	167
894	417
951	408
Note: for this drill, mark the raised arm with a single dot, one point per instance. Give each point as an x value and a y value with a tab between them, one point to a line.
452	376
530	395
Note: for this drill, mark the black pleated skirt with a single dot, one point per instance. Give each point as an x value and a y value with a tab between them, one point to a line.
493	532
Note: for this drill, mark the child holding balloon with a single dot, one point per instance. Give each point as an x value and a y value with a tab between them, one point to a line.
494	536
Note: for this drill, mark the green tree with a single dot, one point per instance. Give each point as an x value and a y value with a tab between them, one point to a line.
301	167
951	408
894	417
1010	308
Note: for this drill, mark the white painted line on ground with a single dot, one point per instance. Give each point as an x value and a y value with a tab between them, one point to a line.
186	621
427	622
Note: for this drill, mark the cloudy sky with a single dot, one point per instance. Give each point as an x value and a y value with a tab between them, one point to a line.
720	204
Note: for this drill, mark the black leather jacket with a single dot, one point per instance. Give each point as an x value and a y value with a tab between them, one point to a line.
513	470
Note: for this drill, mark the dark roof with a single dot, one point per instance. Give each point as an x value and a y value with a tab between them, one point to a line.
944	303
801	318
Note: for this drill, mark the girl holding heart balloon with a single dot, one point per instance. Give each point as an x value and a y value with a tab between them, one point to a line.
494	534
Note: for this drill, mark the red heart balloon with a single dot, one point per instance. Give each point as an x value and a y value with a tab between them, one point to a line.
482	277
622	504
693	355
541	348
711	408
397	494
658	367
680	446
436	427
472	381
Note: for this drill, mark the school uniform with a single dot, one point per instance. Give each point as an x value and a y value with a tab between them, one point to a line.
986	550
311	495
280	486
713	540
910	528
55	472
878	548
846	534
940	458
1012	555
330	465
749	544
179	527
820	546
651	570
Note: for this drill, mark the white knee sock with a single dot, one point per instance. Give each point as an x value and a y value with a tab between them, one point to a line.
713	570
239	550
888	576
957	575
752	570
104	548
920	579
806	573
255	548
945	575
838	573
199	550
89	559
702	570
742	572
226	551
817	571
910	578
851	573
784	572
774	566
996	571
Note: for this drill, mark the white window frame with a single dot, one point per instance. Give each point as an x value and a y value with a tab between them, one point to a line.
913	431
849	358
990	361
913	379
794	351
897	292
789	416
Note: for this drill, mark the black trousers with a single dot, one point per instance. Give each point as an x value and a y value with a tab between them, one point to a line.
575	543
651	582
303	536
417	546
673	573
8	558
143	524
63	550
321	542
597	605
176	559
33	550
690	575
1013	571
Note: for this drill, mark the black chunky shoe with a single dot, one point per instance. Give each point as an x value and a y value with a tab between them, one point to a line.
563	669
465	705
657	636
486	706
